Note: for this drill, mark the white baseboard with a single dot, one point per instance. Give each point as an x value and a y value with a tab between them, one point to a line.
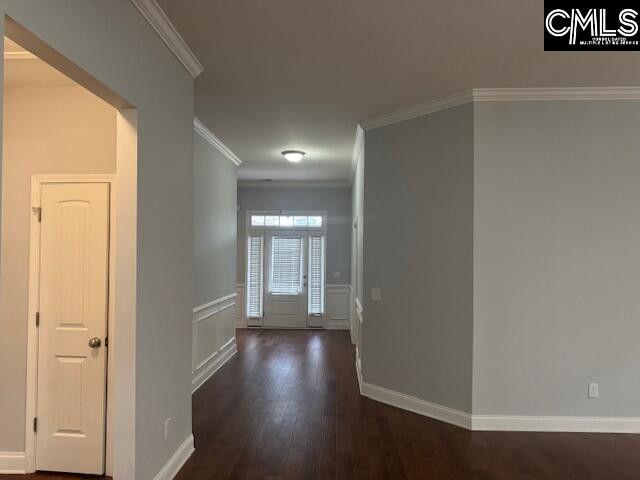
529	423
338	324
507	423
12	462
177	460
416	405
359	372
213	364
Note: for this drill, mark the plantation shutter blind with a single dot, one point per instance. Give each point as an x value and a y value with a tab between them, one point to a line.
286	265
316	275
254	277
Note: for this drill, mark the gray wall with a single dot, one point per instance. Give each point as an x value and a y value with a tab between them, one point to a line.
214	218
557	258
418	249
336	201
120	49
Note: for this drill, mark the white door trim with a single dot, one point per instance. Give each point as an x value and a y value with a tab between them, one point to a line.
34	286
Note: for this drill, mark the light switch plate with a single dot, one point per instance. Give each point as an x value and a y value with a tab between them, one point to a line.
376	294
593	390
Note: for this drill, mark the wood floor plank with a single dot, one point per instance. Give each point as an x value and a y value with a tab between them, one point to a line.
288	407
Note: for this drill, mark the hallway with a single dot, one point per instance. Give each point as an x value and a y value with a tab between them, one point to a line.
288	407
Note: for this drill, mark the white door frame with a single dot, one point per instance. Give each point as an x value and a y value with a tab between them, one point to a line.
265	231
34	289
122	421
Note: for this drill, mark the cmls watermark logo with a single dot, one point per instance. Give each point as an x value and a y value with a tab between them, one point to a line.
579	28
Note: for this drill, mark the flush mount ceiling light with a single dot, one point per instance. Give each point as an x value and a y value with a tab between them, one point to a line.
293	155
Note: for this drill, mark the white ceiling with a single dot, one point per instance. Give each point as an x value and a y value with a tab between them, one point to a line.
21	68
300	74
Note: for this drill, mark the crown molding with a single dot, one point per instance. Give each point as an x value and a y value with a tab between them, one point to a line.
553	93
23	55
503	95
208	135
159	21
419	110
294	184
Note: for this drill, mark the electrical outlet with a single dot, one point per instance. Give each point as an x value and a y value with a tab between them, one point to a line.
336	274
376	294
167	426
593	390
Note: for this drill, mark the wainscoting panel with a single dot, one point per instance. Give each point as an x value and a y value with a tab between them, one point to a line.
214	325
338	300
241	318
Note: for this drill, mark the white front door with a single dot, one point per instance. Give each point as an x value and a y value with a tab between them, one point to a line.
286	281
74	241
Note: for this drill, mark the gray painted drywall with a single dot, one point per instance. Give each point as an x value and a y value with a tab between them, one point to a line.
336	201
557	258
214	217
418	249
114	43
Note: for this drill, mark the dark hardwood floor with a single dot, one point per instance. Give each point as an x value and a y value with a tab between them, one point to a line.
288	407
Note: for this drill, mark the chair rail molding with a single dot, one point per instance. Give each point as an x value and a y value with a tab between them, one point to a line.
159	21
201	129
212	303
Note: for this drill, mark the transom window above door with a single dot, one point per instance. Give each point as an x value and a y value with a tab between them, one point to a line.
287	221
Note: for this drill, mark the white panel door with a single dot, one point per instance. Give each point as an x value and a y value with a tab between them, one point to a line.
74	240
286	293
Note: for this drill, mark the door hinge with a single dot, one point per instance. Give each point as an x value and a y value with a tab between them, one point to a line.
106	342
37	319
38	211
35	424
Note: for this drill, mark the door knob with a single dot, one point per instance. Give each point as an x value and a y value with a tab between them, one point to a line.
95	342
